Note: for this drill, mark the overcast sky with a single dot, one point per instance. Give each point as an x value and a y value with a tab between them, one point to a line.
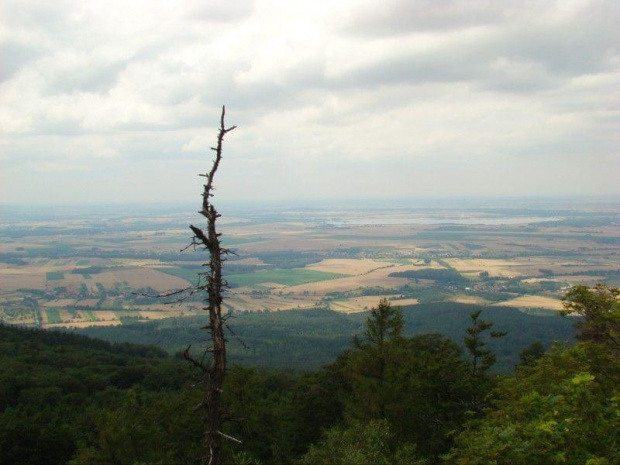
117	101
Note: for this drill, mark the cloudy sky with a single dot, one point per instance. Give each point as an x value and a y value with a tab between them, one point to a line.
116	101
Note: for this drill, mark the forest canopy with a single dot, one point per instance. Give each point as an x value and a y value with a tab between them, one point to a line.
388	398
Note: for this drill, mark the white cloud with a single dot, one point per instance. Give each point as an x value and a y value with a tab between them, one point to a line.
417	98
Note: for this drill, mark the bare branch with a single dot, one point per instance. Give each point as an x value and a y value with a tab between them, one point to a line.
241	341
215	370
193	361
229	437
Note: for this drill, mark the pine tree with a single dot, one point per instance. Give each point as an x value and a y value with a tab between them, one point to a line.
370	361
481	358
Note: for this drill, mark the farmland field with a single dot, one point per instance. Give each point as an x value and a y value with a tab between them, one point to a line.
533	301
350	266
495	268
89	315
53	316
188	274
291	277
378	278
525	256
365	303
54	275
11	280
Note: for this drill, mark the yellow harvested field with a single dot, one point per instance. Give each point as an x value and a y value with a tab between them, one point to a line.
468	299
495	268
83	324
532	301
356	304
105	315
155	315
140	278
12	281
348	266
272	285
366	303
250	303
65	315
376	278
579	279
403	302
527	266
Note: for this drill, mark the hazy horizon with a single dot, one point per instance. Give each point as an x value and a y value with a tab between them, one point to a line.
471	203
118	102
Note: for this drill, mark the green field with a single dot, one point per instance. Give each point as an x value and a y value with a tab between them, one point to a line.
53	316
291	277
55	275
89	315
397	261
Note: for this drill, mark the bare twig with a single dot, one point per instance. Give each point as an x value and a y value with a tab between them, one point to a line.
215	371
229	437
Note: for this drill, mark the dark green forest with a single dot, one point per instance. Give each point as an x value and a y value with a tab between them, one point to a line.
303	340
391	396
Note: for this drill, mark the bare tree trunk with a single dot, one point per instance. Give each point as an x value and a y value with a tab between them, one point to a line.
214	370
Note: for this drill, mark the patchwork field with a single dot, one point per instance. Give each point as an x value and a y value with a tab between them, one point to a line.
469	299
292	277
76	272
146	277
495	268
69	317
348	266
253	303
533	301
372	279
12	280
85	324
366	303
60	303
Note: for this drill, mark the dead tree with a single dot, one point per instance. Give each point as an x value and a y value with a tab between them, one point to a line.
213	367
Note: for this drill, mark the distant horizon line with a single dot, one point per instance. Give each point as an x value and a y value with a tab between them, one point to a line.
323	200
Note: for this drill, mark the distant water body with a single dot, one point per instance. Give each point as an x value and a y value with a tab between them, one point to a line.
490	221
